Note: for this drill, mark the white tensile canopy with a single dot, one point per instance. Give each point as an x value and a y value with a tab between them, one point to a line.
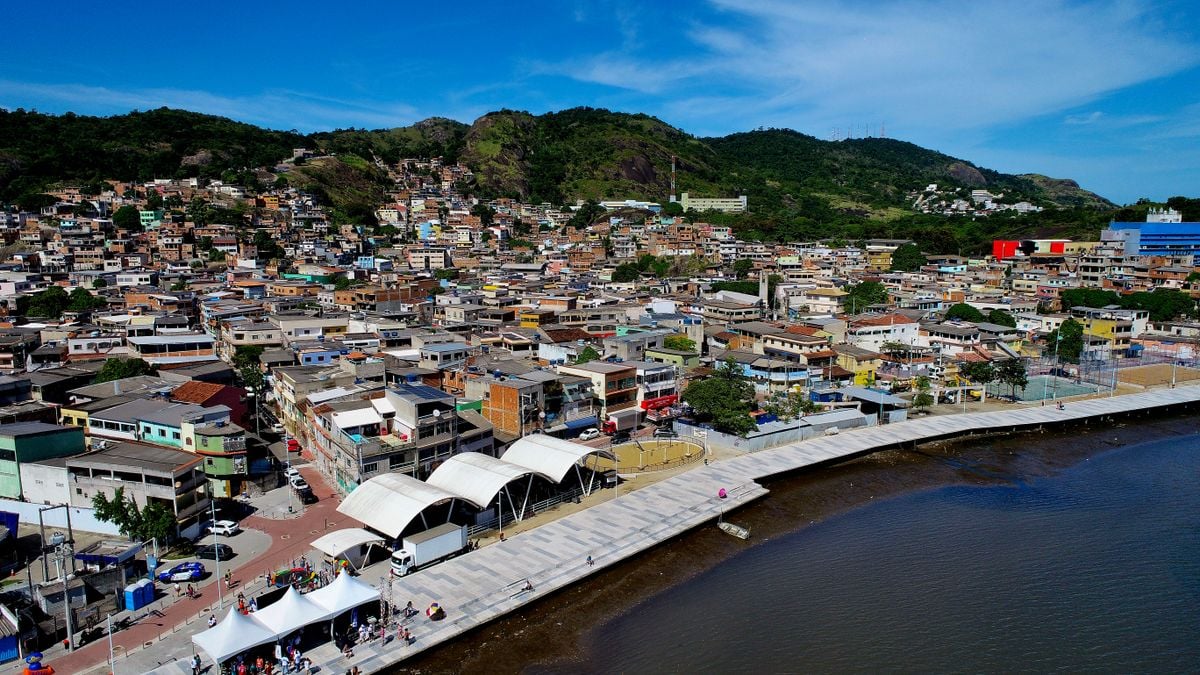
234	635
339	541
388	503
343	594
550	457
477	477
291	612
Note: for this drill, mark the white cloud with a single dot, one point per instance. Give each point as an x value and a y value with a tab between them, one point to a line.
916	64
281	109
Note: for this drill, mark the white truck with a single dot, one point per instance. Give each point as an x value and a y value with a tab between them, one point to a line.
428	547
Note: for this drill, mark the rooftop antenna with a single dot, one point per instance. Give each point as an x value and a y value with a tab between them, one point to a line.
673	199
883	129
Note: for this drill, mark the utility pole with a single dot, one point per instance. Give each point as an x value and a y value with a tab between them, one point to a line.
64	549
216	551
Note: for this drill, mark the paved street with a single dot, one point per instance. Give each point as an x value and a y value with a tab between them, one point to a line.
161	632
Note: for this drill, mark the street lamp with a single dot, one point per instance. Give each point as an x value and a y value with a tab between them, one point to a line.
216	550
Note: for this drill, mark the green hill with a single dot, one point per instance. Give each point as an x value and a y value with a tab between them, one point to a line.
798	186
37	149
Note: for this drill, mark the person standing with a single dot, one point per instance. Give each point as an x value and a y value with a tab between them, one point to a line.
195	664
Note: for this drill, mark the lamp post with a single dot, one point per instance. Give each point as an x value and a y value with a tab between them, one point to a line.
216	550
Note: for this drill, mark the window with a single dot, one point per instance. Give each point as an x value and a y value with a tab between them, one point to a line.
370	468
8	455
175	435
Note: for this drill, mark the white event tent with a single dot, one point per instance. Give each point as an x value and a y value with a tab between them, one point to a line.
234	635
343	594
291	612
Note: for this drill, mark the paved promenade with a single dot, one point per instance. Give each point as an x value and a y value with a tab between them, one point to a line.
486	584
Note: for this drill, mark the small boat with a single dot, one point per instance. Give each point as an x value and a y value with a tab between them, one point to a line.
736	530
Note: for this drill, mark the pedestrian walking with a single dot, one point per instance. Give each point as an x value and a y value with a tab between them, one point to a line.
228	577
590	562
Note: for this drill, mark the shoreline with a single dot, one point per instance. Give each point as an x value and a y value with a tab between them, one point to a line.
557	633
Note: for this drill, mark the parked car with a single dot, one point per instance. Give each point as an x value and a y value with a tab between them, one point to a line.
212	551
292	472
293	445
227	528
665	432
589	434
307	496
277	428
619	437
298	483
188	571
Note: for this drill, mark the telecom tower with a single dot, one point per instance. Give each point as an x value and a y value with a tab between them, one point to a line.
673	199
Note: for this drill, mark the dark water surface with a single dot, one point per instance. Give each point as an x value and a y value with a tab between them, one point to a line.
1095	568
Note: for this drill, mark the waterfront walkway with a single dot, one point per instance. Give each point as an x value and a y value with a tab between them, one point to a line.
486	584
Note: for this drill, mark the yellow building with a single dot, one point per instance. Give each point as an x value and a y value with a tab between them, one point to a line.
864	363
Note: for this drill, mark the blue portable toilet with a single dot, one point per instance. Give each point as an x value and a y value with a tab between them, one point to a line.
145	592
131	597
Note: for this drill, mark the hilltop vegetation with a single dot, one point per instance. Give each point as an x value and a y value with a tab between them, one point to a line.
38	149
799	187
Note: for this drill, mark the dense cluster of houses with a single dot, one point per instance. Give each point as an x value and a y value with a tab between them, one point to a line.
457	325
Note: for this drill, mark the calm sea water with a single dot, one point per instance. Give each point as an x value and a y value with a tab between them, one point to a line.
1096	569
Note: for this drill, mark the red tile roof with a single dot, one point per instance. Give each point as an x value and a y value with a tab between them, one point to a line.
196	392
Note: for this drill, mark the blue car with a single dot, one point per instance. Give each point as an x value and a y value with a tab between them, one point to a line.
188	571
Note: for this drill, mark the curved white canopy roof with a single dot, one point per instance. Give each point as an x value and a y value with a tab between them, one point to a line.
548	456
477	477
291	612
388	503
237	633
339	541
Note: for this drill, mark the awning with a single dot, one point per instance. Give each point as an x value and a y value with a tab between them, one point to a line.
339	541
660	402
582	422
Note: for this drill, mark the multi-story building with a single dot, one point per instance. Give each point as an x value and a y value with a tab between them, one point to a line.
614	385
147	475
31	442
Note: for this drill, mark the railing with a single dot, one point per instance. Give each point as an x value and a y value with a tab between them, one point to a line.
538	507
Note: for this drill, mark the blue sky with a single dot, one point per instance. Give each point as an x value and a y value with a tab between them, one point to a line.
1105	92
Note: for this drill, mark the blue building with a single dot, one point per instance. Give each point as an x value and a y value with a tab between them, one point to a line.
1163	233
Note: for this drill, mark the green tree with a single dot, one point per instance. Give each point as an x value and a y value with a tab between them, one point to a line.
980	373
864	295
99	283
625	273
673	209
1002	318
342	284
445	274
155	521
120	368
1069	341
788	405
247	356
589	353
50	303
485	213
1163	304
964	312
680	343
127	218
1087	297
907	258
1012	372
923	398
182	284
742	267
724	399
81	300
587	214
